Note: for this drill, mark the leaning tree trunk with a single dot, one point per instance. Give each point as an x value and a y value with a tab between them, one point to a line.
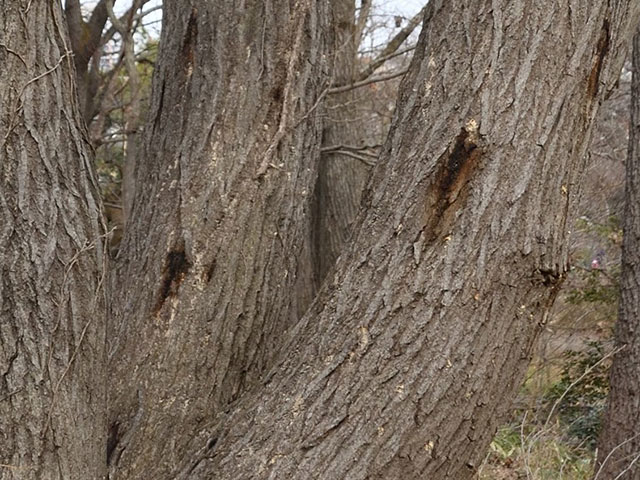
52	308
341	176
407	360
215	264
619	443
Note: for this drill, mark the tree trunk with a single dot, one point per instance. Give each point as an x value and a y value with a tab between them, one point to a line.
341	177
409	357
619	443
215	264
52	301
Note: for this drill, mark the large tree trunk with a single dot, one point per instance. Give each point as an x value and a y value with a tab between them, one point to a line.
409	356
215	264
341	177
52	308
619	444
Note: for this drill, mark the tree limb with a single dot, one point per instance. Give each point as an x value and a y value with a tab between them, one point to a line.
112	30
95	26
393	45
381	78
363	16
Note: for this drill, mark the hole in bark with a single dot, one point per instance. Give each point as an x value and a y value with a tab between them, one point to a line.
212	443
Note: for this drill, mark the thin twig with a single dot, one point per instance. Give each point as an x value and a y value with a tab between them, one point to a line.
381	78
606	459
578	380
347	153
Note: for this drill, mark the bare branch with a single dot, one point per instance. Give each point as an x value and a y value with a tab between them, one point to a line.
112	30
75	24
363	148
392	46
72	9
381	78
351	154
95	26
363	16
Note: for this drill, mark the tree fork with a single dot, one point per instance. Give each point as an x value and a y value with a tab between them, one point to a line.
405	364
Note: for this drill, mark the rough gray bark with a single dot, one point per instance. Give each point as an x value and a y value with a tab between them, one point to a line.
619	443
409	356
52	307
215	264
341	177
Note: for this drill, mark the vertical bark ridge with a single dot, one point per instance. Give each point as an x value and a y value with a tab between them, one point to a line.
409	356
52	300
230	156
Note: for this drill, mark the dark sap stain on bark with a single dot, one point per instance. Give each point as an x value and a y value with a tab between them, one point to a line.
453	172
112	440
159	110
189	44
208	273
175	269
276	93
602	48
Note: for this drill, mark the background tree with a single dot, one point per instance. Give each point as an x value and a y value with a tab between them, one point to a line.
619	446
52	274
350	143
110	54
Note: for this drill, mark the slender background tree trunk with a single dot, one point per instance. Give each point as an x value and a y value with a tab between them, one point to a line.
341	177
619	444
52	300
215	264
406	361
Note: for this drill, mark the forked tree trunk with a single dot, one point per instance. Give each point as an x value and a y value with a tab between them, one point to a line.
341	177
215	264
619	443
52	271
409	357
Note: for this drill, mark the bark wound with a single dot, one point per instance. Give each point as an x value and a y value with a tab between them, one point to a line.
207	274
602	48
112	440
189	44
176	267
453	172
553	280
